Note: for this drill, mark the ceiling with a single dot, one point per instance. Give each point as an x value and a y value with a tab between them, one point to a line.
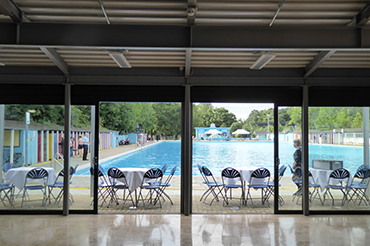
194	38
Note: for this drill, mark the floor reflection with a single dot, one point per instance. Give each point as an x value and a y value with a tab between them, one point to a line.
171	229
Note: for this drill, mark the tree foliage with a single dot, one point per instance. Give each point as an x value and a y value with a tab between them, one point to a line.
235	126
168	119
165	118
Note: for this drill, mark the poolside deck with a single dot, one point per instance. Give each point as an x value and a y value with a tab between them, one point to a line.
80	189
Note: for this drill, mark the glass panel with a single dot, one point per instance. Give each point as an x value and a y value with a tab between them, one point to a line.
236	136
136	137
31	148
289	154
336	137
81	144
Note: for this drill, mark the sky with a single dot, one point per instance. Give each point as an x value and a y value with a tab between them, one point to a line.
242	110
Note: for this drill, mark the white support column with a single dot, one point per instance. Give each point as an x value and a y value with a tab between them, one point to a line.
365	114
47	146
365	118
52	145
93	148
12	146
42	145
2	112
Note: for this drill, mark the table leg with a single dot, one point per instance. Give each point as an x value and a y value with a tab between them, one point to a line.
136	201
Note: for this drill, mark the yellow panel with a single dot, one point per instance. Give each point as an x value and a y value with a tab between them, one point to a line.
50	145
7	134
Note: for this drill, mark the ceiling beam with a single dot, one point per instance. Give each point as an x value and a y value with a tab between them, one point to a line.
188	63
55	57
10	9
125	37
362	17
179	81
317	61
277	12
105	13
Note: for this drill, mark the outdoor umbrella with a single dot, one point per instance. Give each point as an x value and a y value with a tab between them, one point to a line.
213	131
241	131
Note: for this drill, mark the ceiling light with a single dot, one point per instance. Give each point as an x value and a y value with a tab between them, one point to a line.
263	60
120	59
191	11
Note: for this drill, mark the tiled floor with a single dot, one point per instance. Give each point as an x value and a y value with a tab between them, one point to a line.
209	225
139	229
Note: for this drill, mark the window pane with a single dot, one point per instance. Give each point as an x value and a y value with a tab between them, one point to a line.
290	126
238	136
336	137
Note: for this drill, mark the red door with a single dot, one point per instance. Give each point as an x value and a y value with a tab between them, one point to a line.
39	146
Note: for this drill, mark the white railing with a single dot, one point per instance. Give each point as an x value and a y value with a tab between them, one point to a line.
56	159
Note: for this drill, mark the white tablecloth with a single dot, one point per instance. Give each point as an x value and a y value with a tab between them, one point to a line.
246	174
134	176
321	177
17	176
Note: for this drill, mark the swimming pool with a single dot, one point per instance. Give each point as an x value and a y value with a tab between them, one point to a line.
218	155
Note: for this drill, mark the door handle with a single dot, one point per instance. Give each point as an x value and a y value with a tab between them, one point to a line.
277	161
95	162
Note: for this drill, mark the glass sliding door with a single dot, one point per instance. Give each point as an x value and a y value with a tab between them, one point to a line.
339	158
290	123
134	138
232	136
32	156
81	144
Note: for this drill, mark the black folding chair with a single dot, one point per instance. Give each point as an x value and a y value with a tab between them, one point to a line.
164	185
259	180
59	184
338	180
36	174
271	185
7	190
359	185
118	180
214	187
231	179
154	177
205	181
104	185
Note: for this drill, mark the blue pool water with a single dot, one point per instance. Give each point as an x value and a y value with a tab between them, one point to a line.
218	155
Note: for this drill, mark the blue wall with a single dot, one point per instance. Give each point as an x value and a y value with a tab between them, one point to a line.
201	130
131	136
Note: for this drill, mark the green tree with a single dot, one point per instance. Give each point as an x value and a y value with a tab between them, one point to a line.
199	114
168	119
235	126
81	116
145	115
357	121
342	119
219	117
45	114
295	117
250	124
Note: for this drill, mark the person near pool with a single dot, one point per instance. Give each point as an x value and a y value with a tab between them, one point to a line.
80	146
86	143
297	156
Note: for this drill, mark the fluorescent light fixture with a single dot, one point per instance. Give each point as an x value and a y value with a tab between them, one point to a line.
2	64
263	60
120	59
